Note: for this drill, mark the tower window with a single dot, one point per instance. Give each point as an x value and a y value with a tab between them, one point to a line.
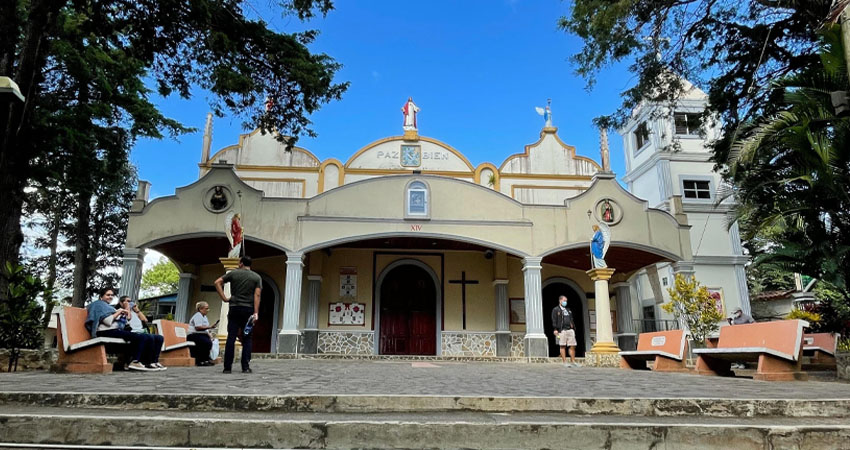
697	189
687	124
641	135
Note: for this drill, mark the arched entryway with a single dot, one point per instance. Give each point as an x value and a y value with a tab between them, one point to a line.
408	310
576	302
265	335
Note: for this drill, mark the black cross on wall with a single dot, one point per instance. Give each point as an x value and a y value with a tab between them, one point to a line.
463	282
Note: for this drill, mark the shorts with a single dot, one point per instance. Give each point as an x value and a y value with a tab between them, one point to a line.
567	338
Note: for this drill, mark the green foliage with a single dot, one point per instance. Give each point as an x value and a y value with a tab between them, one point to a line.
833	307
726	47
692	303
160	279
791	171
808	316
21	317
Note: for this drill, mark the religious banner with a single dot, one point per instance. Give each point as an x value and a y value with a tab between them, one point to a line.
518	310
347	282
342	313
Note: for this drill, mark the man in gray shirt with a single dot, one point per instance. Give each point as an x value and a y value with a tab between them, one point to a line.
245	288
739	318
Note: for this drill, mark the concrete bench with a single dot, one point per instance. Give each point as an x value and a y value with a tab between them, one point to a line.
175	347
668	349
78	352
777	347
821	348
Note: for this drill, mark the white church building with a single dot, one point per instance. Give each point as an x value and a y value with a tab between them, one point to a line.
406	248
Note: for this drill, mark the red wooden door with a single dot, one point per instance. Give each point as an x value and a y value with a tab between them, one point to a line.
408	319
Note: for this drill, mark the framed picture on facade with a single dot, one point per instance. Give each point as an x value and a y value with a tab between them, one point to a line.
717	295
343	313
518	310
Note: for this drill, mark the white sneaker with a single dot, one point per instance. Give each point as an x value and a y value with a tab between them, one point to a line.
576	364
135	365
567	365
159	366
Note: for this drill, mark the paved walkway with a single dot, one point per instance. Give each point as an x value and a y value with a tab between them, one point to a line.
328	377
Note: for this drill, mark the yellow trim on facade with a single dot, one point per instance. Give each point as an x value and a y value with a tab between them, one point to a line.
514	187
281	180
543	133
497	183
447	173
547	176
402	139
323	166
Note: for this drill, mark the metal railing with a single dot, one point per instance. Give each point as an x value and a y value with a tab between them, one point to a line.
651	325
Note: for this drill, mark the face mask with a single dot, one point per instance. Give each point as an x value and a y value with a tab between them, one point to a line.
563	303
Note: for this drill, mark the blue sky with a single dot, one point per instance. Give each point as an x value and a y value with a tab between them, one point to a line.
476	68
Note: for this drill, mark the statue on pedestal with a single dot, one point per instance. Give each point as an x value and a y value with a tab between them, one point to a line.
599	245
409	110
546	113
233	228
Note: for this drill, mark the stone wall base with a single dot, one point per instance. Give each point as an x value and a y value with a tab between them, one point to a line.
842	365
592	359
39	359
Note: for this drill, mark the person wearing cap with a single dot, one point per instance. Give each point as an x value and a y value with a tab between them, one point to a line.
739	318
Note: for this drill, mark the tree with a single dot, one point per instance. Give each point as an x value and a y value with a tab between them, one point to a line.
160	279
728	47
51	48
791	171
692	304
21	319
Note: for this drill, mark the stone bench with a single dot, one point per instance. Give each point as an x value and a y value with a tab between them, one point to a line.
78	352
668	349
175	347
777	347
821	348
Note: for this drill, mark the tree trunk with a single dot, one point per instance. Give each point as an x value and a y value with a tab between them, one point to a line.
82	238
56	222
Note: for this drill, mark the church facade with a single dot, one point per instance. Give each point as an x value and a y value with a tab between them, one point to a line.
407	248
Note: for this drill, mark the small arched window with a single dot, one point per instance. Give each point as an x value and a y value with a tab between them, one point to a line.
417	200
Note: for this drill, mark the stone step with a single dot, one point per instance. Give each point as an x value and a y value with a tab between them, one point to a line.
633	407
65	427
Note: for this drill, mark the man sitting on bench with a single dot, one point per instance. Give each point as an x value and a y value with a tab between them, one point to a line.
105	321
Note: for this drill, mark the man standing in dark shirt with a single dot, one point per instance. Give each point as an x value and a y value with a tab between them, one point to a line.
245	287
565	331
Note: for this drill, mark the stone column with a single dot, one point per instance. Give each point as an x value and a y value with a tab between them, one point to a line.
503	329
310	337
184	291
287	340
131	274
229	264
535	341
626	338
604	351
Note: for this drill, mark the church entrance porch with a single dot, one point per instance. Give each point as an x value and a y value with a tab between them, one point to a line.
407	322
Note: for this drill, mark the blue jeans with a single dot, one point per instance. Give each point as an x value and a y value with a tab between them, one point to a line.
140	345
237	317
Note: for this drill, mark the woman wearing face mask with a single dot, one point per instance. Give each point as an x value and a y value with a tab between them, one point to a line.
565	331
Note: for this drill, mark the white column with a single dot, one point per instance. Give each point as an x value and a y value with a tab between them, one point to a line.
289	334
314	288
184	290
131	275
604	330
536	344
229	264
503	328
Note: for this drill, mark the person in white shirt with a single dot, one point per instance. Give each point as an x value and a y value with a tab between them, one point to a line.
137	324
199	333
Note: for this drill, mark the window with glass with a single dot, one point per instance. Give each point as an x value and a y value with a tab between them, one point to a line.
687	124
641	135
696	189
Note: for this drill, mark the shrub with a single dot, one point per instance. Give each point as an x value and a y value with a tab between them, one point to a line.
21	317
691	303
